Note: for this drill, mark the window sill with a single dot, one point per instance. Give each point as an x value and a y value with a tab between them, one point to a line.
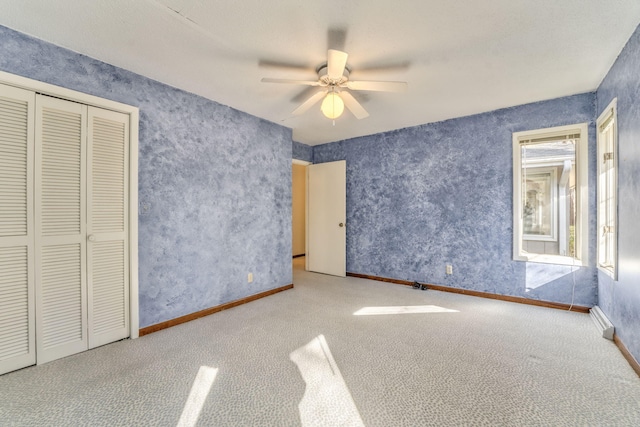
539	238
609	272
549	259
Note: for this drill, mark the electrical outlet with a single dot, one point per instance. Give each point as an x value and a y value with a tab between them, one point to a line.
449	269
249	277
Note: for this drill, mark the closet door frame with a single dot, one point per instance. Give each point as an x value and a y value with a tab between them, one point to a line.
133	113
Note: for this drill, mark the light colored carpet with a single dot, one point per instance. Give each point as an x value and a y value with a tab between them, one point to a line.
302	357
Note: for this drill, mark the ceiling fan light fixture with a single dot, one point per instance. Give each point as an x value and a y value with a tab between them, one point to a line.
332	106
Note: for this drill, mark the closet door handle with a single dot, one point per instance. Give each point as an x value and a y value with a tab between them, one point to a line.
91	238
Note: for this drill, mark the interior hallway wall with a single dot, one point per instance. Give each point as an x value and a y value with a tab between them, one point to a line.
214	183
441	193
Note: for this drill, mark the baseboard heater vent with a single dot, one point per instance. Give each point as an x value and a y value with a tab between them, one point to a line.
602	322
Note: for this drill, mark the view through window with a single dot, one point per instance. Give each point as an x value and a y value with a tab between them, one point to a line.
548	196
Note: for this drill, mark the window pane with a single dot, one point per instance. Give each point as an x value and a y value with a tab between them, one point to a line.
537	204
548	197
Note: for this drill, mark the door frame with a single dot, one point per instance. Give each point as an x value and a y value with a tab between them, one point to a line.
134	117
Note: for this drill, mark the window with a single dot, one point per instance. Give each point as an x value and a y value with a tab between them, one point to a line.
607	191
550	195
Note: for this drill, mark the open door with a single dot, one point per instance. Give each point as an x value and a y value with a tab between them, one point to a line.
326	218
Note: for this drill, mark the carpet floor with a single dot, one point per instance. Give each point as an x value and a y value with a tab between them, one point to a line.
336	351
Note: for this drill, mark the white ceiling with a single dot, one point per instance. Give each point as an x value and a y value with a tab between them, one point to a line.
458	57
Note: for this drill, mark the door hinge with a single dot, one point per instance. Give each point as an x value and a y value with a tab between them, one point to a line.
608	156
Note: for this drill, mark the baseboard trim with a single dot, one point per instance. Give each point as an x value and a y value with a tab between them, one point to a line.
519	300
627	354
381	279
298	256
207	311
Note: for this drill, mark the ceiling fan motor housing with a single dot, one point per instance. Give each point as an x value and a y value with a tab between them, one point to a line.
323	76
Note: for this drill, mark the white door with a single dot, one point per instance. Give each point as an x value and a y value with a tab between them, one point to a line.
17	309
60	216
107	226
326	218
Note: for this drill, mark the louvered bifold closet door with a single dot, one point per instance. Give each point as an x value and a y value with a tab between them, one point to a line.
60	171
17	315
107	226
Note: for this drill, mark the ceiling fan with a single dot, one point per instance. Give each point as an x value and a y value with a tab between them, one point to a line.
333	79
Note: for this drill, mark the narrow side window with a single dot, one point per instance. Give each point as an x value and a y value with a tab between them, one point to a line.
608	191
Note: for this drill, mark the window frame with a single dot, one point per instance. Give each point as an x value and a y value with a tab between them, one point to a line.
609	115
582	198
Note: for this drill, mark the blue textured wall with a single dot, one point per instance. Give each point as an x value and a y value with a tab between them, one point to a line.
621	300
214	184
441	193
302	151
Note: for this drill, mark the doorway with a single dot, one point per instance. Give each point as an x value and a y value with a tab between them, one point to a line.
319	216
298	207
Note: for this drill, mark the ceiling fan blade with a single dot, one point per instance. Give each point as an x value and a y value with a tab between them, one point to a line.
353	105
306	93
336	38
377	86
336	61
268	63
383	66
291	81
309	103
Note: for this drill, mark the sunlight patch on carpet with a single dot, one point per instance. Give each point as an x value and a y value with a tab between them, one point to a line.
326	400
198	395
